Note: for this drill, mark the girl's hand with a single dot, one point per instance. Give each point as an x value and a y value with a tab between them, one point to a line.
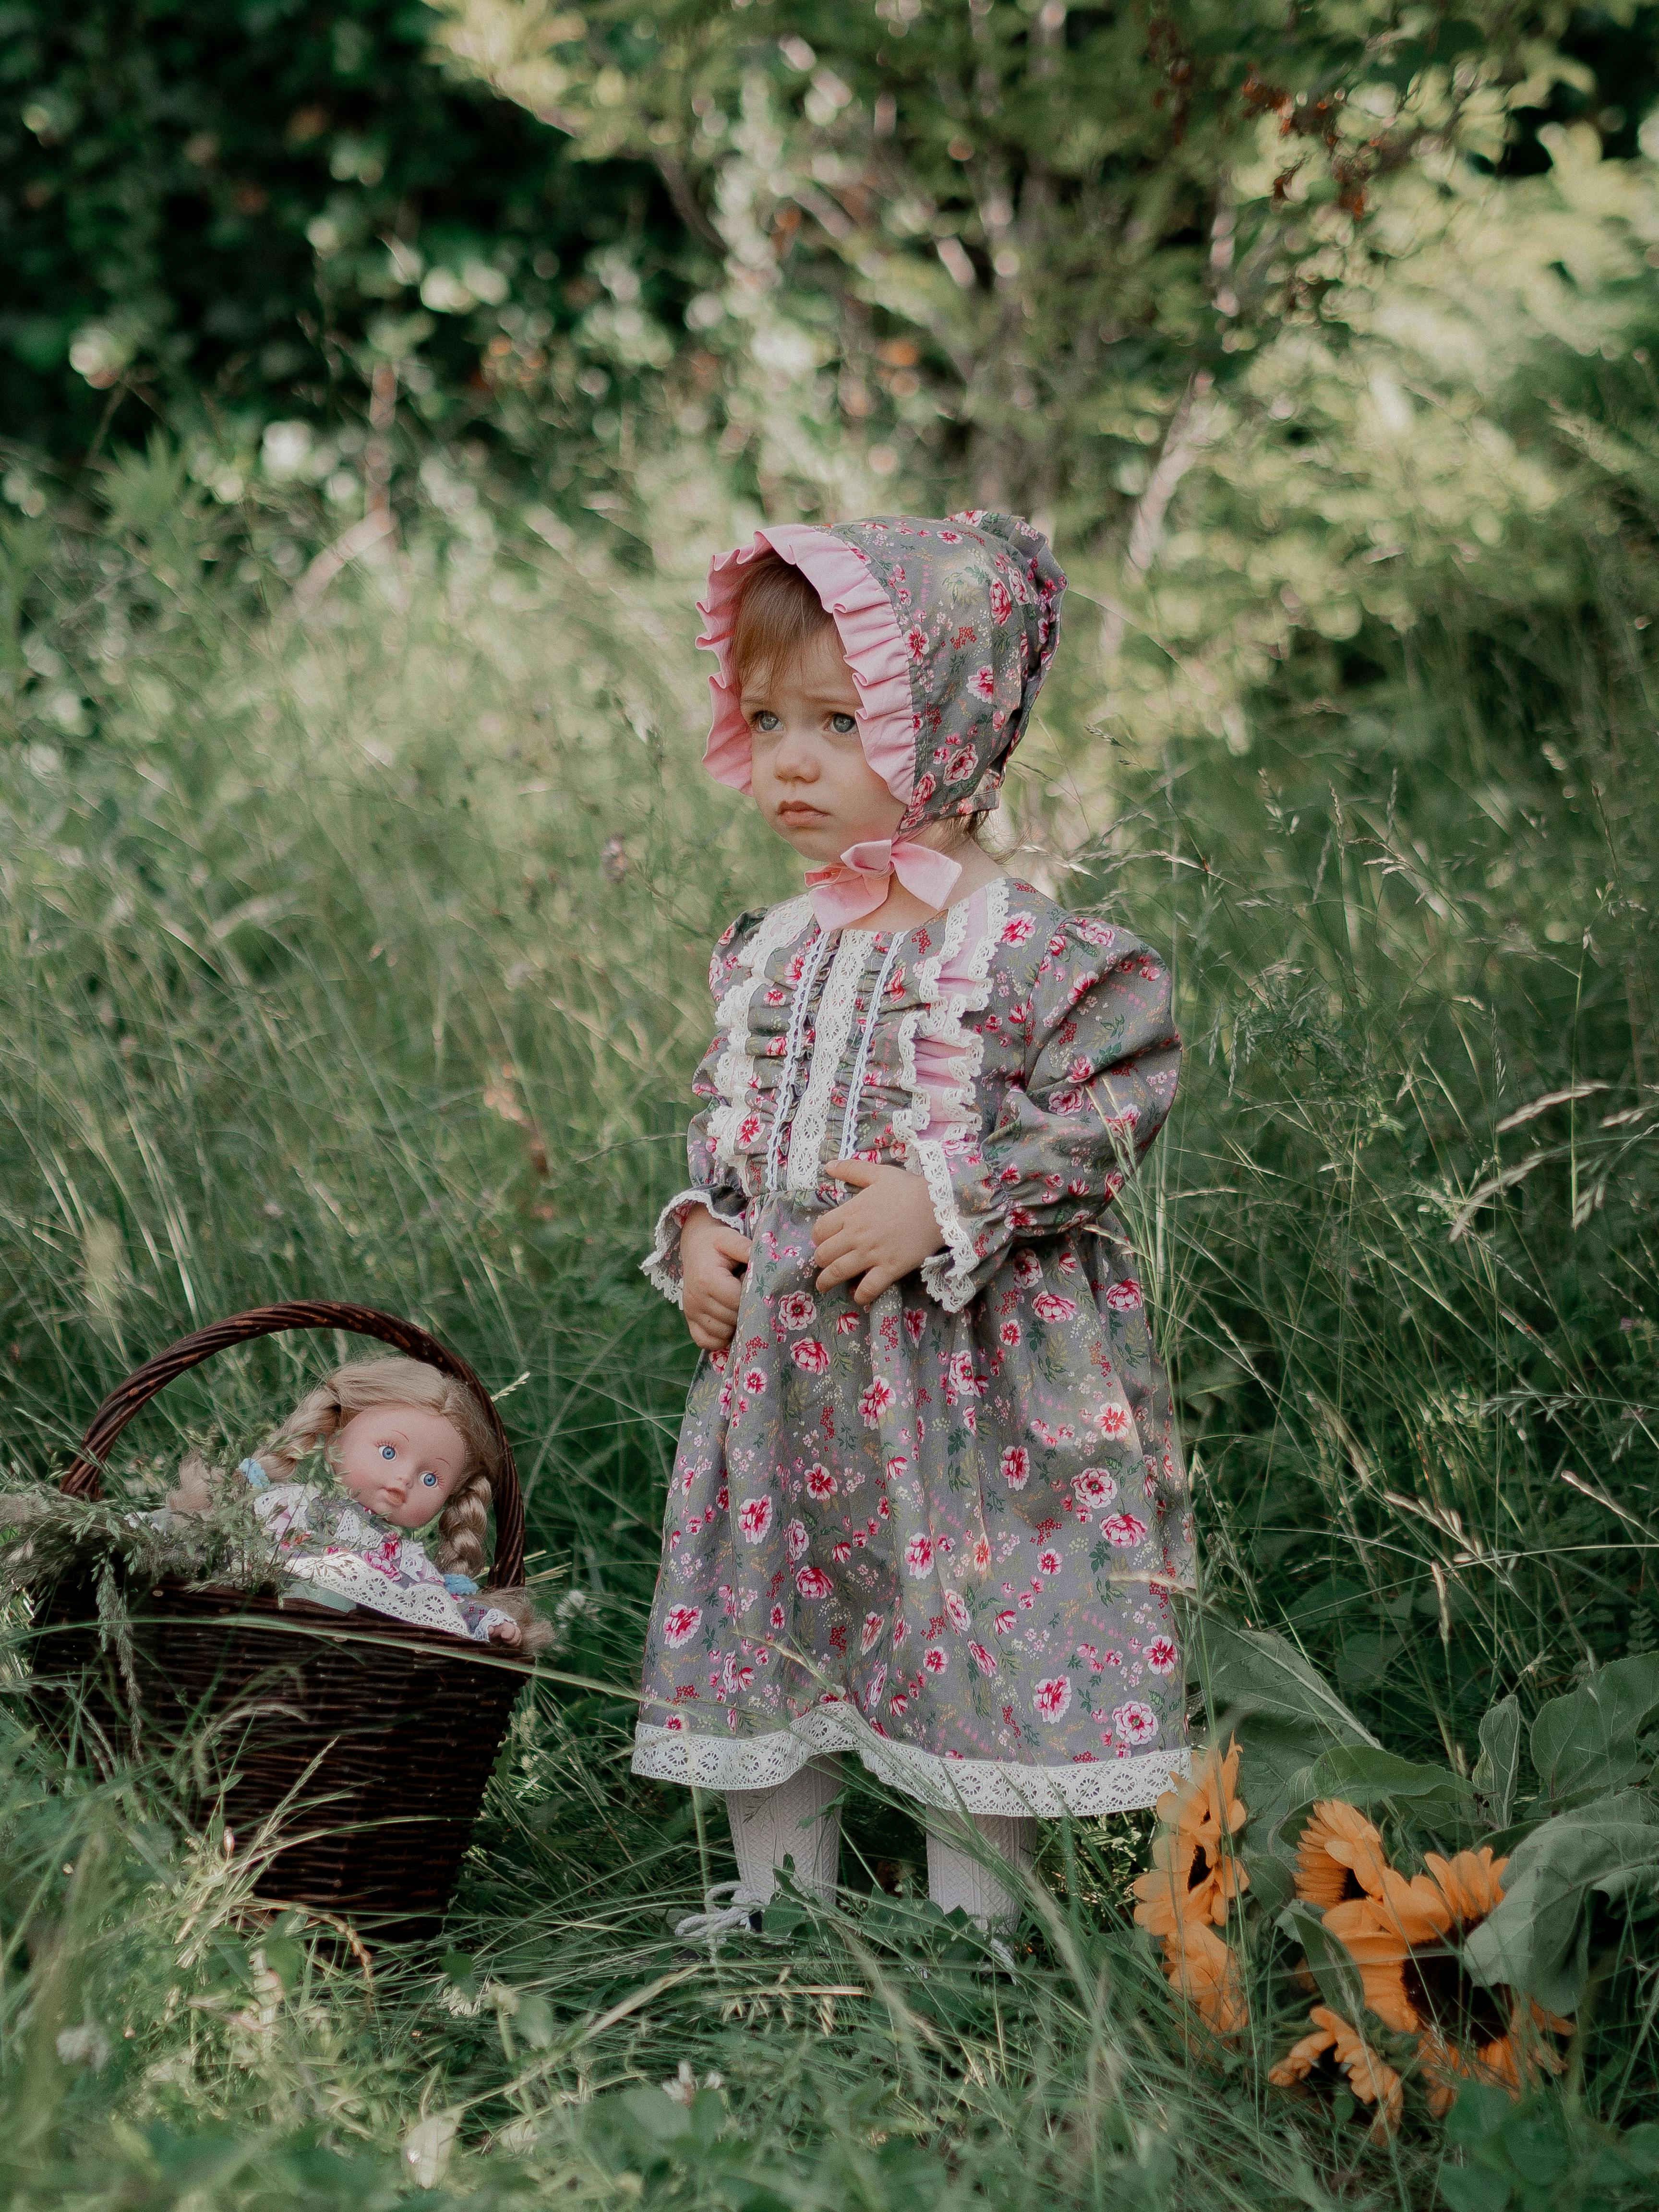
508	1633
712	1259
883	1233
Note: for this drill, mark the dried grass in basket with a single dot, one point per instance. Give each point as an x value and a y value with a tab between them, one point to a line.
350	1751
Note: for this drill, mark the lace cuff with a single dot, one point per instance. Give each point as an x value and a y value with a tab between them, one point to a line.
661	1264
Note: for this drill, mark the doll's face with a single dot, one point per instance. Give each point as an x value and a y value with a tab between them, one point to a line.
401	1462
808	772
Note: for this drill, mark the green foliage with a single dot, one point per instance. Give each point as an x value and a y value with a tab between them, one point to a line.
1543	2157
1539	1939
1005	240
237	215
1497	1769
352	933
1592	1739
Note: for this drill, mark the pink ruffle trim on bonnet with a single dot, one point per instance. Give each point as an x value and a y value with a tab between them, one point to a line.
870	639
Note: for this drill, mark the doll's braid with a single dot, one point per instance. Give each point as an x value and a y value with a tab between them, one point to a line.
463	1526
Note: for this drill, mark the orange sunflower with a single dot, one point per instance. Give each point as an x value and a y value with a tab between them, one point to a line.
1371	2078
1340	1856
1404	1936
1194	1877
1205	1971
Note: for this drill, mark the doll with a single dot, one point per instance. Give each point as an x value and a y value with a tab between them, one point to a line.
405	1445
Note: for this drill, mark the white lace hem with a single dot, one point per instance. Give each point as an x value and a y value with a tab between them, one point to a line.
970	1785
424	1605
661	1264
734	1070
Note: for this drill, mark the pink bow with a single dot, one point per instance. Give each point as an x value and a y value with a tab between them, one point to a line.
857	884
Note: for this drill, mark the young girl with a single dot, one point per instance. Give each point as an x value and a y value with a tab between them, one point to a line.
929	1499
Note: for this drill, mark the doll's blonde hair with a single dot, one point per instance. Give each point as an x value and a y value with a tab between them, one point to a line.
464	1524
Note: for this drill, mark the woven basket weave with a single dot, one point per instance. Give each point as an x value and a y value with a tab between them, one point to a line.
364	1742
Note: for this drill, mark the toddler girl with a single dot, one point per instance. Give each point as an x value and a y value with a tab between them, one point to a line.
929	1501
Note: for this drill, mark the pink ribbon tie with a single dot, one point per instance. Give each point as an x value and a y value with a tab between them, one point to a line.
857	884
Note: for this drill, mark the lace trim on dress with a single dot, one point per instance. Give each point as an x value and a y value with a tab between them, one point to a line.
970	1785
837	1012
734	1070
948	1275
783	1089
661	1264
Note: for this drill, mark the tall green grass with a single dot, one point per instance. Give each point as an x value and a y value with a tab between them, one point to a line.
359	951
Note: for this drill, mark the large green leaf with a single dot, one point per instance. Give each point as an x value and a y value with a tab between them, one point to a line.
1330	1960
1251	1671
1538	1938
1283	1714
1589	1739
1364	1775
1498	1766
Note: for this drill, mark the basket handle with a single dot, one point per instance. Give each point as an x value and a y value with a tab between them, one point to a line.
146	1382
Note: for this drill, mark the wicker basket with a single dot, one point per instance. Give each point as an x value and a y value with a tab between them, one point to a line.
368	1741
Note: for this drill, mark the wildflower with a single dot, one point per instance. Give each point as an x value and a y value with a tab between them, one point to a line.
1405	1937
683	2086
1194	1876
1340	1857
1372	2080
1204	1970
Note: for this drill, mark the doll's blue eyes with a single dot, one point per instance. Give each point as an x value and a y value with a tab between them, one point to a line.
388	1452
429	1482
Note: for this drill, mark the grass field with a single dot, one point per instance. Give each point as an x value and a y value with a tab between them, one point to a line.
362	954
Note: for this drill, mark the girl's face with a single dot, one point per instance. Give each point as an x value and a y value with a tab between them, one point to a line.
401	1462
810	777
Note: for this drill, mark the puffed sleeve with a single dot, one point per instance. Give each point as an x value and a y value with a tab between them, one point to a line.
712	1184
1097	1085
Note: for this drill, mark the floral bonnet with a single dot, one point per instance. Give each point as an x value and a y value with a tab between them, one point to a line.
949	629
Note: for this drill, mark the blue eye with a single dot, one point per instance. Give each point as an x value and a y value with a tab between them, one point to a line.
429	1482
388	1452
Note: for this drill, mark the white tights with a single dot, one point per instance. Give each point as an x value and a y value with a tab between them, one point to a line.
798	1820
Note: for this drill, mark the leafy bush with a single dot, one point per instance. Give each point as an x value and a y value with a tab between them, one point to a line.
238	217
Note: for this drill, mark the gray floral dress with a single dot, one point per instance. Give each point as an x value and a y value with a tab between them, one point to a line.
941	1531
